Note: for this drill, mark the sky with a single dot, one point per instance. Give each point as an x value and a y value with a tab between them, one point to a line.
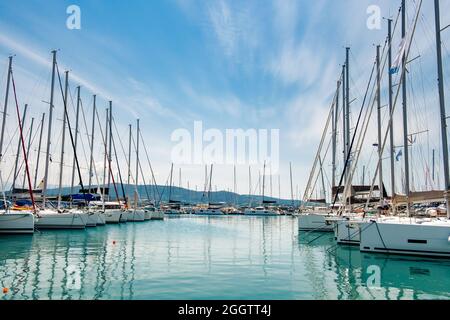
253	64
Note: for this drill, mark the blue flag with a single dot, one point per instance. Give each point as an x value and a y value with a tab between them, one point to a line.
399	154
399	57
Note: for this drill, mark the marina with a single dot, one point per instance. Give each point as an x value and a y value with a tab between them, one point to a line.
106	195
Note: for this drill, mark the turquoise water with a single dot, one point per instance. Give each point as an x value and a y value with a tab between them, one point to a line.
208	258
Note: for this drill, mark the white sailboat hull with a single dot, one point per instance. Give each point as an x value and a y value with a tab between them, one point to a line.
157	215
347	232
147	215
261	213
314	222
101	221
17	223
91	219
172	212
124	216
54	220
401	237
112	216
136	215
209	212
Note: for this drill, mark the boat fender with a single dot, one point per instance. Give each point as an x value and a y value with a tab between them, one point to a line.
449	239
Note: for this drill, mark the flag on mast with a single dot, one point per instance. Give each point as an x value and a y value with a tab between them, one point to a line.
399	57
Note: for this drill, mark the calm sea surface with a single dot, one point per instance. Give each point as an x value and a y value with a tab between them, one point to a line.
208	258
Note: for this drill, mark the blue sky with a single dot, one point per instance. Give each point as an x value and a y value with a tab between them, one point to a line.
231	64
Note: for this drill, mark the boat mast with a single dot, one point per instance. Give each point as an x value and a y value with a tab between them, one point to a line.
18	148
72	142
259	183
27	170
270	180
49	133
405	111
137	164
347	101
380	151
279	187
249	181
234	185
109	168
120	176
39	151
334	135
343	117
129	154
442	106
391	98
105	159
322	178
91	159
210	184
4	122
28	148
170	183
76	139
347	112
292	189
264	181
5	108
61	163
110	145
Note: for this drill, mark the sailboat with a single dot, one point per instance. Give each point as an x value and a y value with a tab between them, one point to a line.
347	198
49	218
412	235
213	209
314	214
112	211
347	227
136	214
265	209
173	206
13	222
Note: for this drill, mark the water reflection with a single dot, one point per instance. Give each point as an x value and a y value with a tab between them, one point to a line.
377	276
209	258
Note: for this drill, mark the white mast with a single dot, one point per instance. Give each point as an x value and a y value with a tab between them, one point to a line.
91	160
39	151
76	139
18	148
442	107
61	164
137	164
49	133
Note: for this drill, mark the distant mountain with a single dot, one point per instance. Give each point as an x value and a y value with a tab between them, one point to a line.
183	195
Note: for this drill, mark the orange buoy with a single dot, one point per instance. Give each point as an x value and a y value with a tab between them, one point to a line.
5	290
